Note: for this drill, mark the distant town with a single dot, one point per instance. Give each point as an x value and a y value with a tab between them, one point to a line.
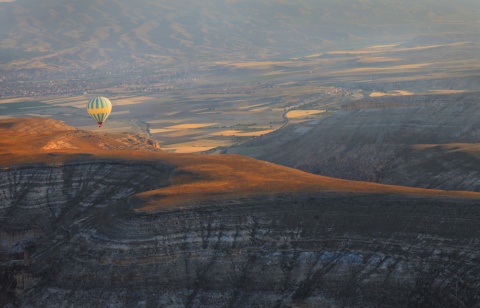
78	81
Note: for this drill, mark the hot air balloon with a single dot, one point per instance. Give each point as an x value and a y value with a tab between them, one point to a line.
99	108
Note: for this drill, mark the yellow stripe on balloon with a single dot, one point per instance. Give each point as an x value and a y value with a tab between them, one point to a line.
99	113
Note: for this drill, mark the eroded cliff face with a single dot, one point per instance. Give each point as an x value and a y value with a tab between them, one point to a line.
39	199
70	235
38	195
89	219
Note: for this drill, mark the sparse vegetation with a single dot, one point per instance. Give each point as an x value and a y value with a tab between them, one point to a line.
379	91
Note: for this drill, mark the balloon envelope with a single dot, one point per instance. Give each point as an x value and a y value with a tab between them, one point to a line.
99	108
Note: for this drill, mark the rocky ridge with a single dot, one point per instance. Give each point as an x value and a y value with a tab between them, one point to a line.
99	227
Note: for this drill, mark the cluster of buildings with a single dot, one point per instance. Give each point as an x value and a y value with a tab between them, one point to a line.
76	81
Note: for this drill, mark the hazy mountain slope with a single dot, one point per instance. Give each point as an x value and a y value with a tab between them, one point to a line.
396	140
91	33
90	219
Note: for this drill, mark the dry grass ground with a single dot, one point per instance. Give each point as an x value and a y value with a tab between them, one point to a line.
391	93
255	64
446	91
392	48
393	68
378	59
239	133
160	130
303	113
15	100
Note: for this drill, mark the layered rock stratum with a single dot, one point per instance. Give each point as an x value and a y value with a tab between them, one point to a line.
92	219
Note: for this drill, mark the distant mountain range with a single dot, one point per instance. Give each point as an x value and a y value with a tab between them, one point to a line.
69	33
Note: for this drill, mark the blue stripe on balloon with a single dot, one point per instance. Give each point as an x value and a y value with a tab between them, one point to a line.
96	101
101	100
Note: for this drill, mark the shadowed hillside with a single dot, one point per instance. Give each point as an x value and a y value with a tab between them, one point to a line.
356	91
196	177
426	141
103	219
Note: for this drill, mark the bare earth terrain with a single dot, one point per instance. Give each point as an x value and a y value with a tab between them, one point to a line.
109	218
260	153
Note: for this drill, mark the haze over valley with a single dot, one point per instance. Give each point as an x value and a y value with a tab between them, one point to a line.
259	153
201	76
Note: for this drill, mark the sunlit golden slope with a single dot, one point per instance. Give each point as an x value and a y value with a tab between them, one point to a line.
196	178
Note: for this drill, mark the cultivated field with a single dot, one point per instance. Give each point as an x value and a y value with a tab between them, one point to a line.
303	113
391	93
